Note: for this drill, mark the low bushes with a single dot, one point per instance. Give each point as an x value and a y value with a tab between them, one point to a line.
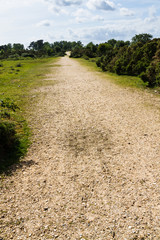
135	60
9	144
140	57
13	137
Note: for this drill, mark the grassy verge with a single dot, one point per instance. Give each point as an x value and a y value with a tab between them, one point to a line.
17	80
125	81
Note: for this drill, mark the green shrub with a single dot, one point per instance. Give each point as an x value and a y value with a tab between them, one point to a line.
158	74
7	135
13	135
9	144
143	76
98	62
103	66
151	75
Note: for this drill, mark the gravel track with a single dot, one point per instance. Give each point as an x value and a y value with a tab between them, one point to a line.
93	170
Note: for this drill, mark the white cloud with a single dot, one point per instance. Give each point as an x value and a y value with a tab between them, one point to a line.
72	34
101	5
7	5
64	2
150	20
44	23
81	12
152	11
126	12
82	15
123	30
57	9
17	3
68	2
98	18
151	15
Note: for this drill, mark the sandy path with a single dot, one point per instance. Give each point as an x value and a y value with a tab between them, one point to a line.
94	166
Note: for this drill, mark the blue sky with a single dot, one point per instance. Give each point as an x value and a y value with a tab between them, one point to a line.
23	21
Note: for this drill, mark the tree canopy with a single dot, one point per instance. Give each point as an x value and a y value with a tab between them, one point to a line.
143	38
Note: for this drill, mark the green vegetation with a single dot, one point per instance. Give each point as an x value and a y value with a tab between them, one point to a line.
17	79
36	49
126	81
138	58
13	145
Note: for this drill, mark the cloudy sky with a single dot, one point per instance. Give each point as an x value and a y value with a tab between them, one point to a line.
23	21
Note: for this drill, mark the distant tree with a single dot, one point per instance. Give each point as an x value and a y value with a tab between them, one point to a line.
121	43
91	46
77	51
103	48
79	43
5	50
38	45
18	47
112	42
32	45
127	43
9	46
47	49
143	38
57	48
90	50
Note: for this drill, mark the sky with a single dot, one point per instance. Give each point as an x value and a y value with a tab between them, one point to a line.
24	21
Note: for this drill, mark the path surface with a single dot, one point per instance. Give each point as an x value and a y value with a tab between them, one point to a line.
93	171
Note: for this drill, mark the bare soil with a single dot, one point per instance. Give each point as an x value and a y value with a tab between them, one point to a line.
93	170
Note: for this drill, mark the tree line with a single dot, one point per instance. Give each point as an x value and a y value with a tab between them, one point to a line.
139	57
37	49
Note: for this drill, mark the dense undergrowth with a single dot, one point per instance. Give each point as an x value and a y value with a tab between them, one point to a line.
140	58
17	79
